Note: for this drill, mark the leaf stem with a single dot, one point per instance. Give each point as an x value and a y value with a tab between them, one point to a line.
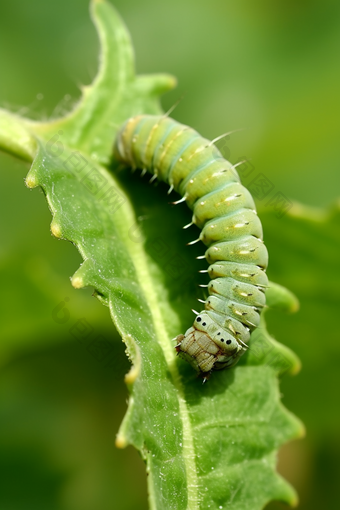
15	137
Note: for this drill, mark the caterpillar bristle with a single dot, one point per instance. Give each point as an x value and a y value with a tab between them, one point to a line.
143	172
222	136
200	257
183	199
240	163
196	313
201	300
193	242
173	107
244	344
170	189
153	178
188	225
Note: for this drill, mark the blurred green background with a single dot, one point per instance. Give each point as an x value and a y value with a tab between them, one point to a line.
271	68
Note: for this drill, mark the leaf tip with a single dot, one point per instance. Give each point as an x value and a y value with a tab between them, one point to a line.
295	305
132	375
165	82
121	442
31	181
296	367
294	500
301	431
281	298
56	229
77	282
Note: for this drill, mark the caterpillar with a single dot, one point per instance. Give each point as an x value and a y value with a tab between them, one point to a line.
225	212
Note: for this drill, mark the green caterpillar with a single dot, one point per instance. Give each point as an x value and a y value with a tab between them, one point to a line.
225	212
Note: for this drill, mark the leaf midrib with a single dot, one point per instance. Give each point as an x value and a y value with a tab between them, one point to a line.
139	260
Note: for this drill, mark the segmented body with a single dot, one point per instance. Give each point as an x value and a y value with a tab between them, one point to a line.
225	212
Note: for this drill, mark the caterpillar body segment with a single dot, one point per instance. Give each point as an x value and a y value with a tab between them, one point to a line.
230	228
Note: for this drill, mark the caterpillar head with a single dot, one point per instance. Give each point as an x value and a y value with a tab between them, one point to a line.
207	346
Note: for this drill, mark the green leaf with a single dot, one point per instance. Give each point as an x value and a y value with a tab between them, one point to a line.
206	446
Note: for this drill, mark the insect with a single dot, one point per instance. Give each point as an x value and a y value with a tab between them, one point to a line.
225	212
